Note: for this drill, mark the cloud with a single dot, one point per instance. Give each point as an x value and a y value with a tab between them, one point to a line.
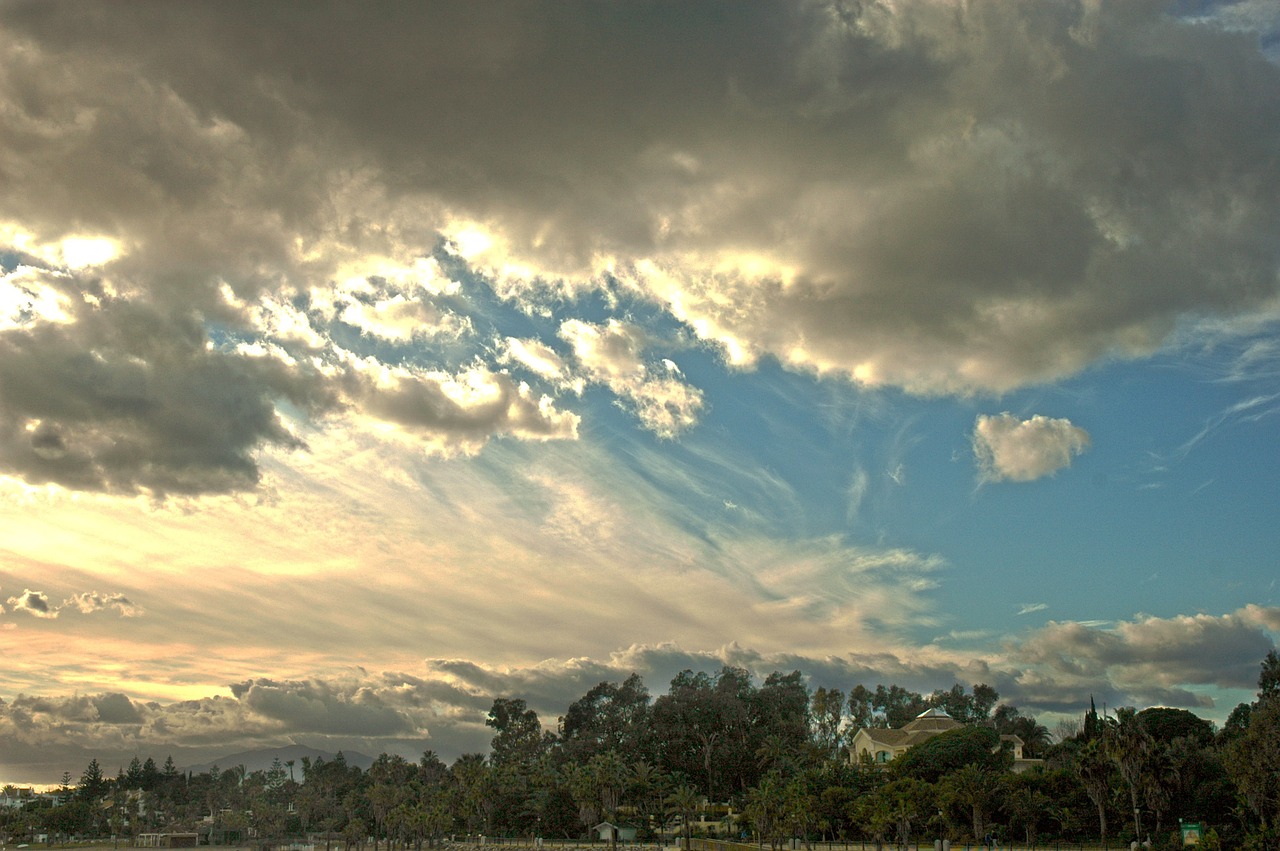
442	704
126	399
941	200
455	412
318	707
34	603
947	203
1148	657
1030	608
611	354
89	602
543	361
1009	449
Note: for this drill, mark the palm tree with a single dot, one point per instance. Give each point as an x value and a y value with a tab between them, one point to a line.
684	801
1035	736
977	789
1094	770
765	807
1128	745
1024	805
645	782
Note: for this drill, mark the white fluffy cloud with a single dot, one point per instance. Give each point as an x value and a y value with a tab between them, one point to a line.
34	603
89	602
1009	449
611	354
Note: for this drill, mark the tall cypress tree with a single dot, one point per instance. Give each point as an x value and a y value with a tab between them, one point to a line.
1092	727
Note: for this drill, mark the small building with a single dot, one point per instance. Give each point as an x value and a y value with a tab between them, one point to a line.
607	832
166	840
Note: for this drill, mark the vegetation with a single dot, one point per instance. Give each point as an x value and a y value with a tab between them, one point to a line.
769	761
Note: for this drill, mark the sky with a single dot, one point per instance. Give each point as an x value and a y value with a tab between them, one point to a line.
363	362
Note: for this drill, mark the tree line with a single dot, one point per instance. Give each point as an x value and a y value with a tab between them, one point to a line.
768	761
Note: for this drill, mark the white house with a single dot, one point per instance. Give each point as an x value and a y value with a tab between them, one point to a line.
881	745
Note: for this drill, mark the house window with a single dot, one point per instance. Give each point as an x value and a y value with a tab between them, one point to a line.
882	756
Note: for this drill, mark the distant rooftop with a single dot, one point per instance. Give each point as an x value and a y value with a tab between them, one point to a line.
935	712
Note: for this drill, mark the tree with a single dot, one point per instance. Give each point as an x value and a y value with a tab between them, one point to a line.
607	718
646	786
779	709
1092	724
1164	725
474	783
905	802
1269	677
862	709
1025	803
826	714
609	776
1128	745
701	728
965	708
684	801
1035	737
952	750
133	777
519	739
976	788
1253	761
92	784
897	705
765	804
1093	767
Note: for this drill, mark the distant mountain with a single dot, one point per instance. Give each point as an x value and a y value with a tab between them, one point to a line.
262	758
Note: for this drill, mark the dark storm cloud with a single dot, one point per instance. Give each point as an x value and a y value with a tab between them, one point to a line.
946	197
1150	657
127	400
317	707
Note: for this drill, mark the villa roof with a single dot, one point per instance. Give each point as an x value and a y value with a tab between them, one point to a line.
932	721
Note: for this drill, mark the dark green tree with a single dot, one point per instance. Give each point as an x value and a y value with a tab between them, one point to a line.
133	777
1164	725
965	707
897	705
92	784
519	739
862	713
826	714
1129	746
609	717
950	751
1269	677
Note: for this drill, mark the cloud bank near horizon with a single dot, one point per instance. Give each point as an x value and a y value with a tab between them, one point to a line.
1050	671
